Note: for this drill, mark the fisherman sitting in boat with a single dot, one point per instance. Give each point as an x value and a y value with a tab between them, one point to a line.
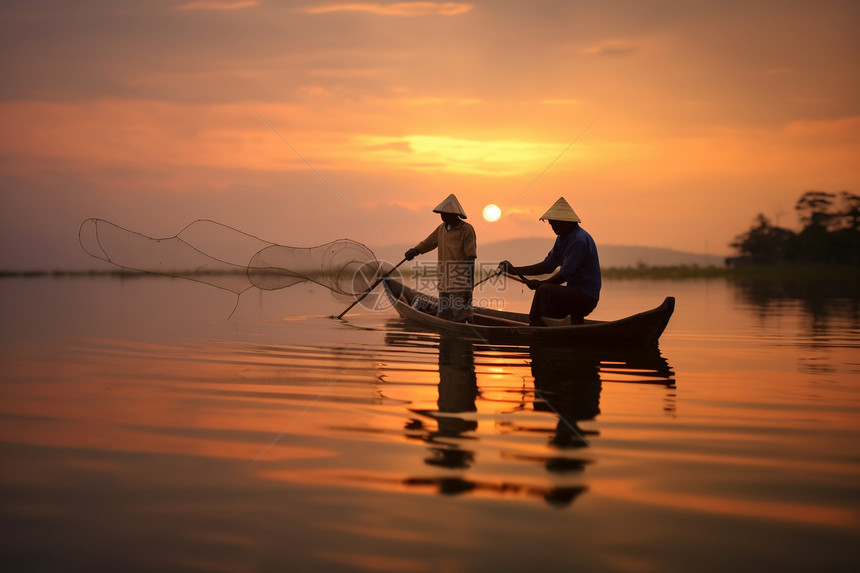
575	255
457	246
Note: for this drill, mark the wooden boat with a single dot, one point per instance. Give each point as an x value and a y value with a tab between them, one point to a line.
499	326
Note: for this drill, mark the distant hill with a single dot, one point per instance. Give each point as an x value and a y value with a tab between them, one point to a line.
532	250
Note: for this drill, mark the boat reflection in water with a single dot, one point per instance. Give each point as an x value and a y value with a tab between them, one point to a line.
483	435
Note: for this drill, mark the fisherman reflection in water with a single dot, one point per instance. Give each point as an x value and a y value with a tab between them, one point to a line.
458	390
566	384
457	246
572	293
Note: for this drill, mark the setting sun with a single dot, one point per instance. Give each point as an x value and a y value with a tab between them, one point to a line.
492	213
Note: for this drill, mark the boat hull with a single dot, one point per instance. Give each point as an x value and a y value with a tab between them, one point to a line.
497	326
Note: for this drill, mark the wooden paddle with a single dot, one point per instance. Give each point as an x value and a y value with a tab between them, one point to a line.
368	291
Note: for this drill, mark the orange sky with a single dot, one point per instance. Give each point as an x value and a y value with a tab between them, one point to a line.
154	113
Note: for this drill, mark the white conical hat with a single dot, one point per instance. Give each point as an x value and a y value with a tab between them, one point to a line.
451	205
561	211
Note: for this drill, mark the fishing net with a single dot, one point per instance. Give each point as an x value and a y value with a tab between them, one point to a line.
219	255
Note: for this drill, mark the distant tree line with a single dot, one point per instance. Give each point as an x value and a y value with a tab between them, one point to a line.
830	234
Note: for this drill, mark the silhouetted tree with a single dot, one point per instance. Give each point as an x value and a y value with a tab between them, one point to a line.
845	239
767	244
830	234
815	208
849	213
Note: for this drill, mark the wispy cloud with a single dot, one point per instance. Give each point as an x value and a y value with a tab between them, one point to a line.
219	5
783	71
611	48
430	100
346	72
396	9
453	155
844	129
561	102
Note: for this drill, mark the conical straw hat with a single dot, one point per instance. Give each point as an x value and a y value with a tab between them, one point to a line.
450	205
561	211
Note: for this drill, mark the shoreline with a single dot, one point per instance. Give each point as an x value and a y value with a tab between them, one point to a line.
782	272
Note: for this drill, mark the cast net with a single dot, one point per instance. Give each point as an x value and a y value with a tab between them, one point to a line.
219	255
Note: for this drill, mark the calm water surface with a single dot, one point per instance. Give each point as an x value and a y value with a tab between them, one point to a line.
141	429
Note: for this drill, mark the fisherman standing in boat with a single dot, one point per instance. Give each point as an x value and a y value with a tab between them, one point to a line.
457	246
574	254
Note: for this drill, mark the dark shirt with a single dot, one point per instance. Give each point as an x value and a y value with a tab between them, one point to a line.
576	254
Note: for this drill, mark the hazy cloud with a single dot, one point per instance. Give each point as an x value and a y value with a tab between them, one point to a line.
396	9
345	72
778	71
219	5
561	102
492	157
611	48
398	146
843	129
155	106
430	100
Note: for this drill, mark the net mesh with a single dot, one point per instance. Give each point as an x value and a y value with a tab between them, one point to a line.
219	255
